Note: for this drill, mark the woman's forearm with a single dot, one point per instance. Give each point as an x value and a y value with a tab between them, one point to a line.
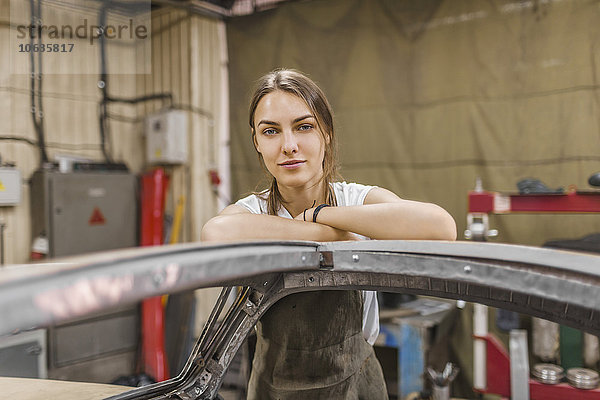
400	220
242	226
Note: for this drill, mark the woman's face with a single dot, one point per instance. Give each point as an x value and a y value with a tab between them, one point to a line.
289	140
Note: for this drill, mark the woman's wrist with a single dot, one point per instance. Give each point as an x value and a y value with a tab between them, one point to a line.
313	214
317	210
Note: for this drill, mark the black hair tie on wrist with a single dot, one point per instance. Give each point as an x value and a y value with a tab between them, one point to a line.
304	213
319	207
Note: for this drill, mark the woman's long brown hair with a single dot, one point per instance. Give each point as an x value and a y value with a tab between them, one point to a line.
298	84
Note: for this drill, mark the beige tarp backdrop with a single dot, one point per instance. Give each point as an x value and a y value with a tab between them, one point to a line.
429	94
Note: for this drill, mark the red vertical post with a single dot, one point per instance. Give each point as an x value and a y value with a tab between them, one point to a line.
154	188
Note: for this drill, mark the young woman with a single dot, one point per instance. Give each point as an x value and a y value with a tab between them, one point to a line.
316	344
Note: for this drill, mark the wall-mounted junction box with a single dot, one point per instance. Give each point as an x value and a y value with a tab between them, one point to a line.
10	186
167	137
81	212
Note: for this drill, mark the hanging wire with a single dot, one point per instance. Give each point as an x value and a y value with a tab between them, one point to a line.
37	112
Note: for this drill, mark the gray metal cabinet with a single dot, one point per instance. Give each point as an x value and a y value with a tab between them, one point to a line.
81	212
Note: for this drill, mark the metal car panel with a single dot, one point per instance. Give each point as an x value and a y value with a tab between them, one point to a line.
553	284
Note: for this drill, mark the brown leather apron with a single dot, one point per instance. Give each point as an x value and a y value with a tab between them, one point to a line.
310	346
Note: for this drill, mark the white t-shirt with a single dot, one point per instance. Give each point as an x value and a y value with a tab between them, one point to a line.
346	194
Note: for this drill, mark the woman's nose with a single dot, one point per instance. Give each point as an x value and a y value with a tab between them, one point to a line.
290	144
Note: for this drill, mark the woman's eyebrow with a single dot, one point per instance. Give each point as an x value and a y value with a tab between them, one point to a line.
264	121
303	117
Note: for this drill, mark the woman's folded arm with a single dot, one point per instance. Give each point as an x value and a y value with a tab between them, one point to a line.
385	216
235	223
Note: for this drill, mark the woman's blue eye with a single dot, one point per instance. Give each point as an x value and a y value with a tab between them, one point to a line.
269	131
305	127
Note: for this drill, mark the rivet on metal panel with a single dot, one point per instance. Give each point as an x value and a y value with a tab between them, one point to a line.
311	279
355	257
467	269
303	258
265	283
101	84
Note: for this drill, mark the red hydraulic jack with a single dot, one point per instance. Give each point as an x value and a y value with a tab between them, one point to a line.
154	188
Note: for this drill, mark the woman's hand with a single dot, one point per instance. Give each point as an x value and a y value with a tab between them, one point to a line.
236	223
307	215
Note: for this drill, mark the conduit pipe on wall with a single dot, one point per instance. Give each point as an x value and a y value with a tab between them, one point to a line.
224	157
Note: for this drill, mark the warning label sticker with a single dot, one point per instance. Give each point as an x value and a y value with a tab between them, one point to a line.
97	218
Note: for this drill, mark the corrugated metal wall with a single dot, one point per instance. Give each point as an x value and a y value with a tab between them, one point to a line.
187	60
70	117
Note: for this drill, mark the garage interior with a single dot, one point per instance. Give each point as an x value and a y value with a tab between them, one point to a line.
490	109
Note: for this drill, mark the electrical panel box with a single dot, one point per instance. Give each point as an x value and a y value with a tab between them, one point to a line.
24	355
99	348
10	186
167	137
81	212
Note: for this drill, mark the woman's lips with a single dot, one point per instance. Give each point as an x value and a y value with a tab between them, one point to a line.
292	164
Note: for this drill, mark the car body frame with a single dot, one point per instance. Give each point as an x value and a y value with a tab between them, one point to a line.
556	285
